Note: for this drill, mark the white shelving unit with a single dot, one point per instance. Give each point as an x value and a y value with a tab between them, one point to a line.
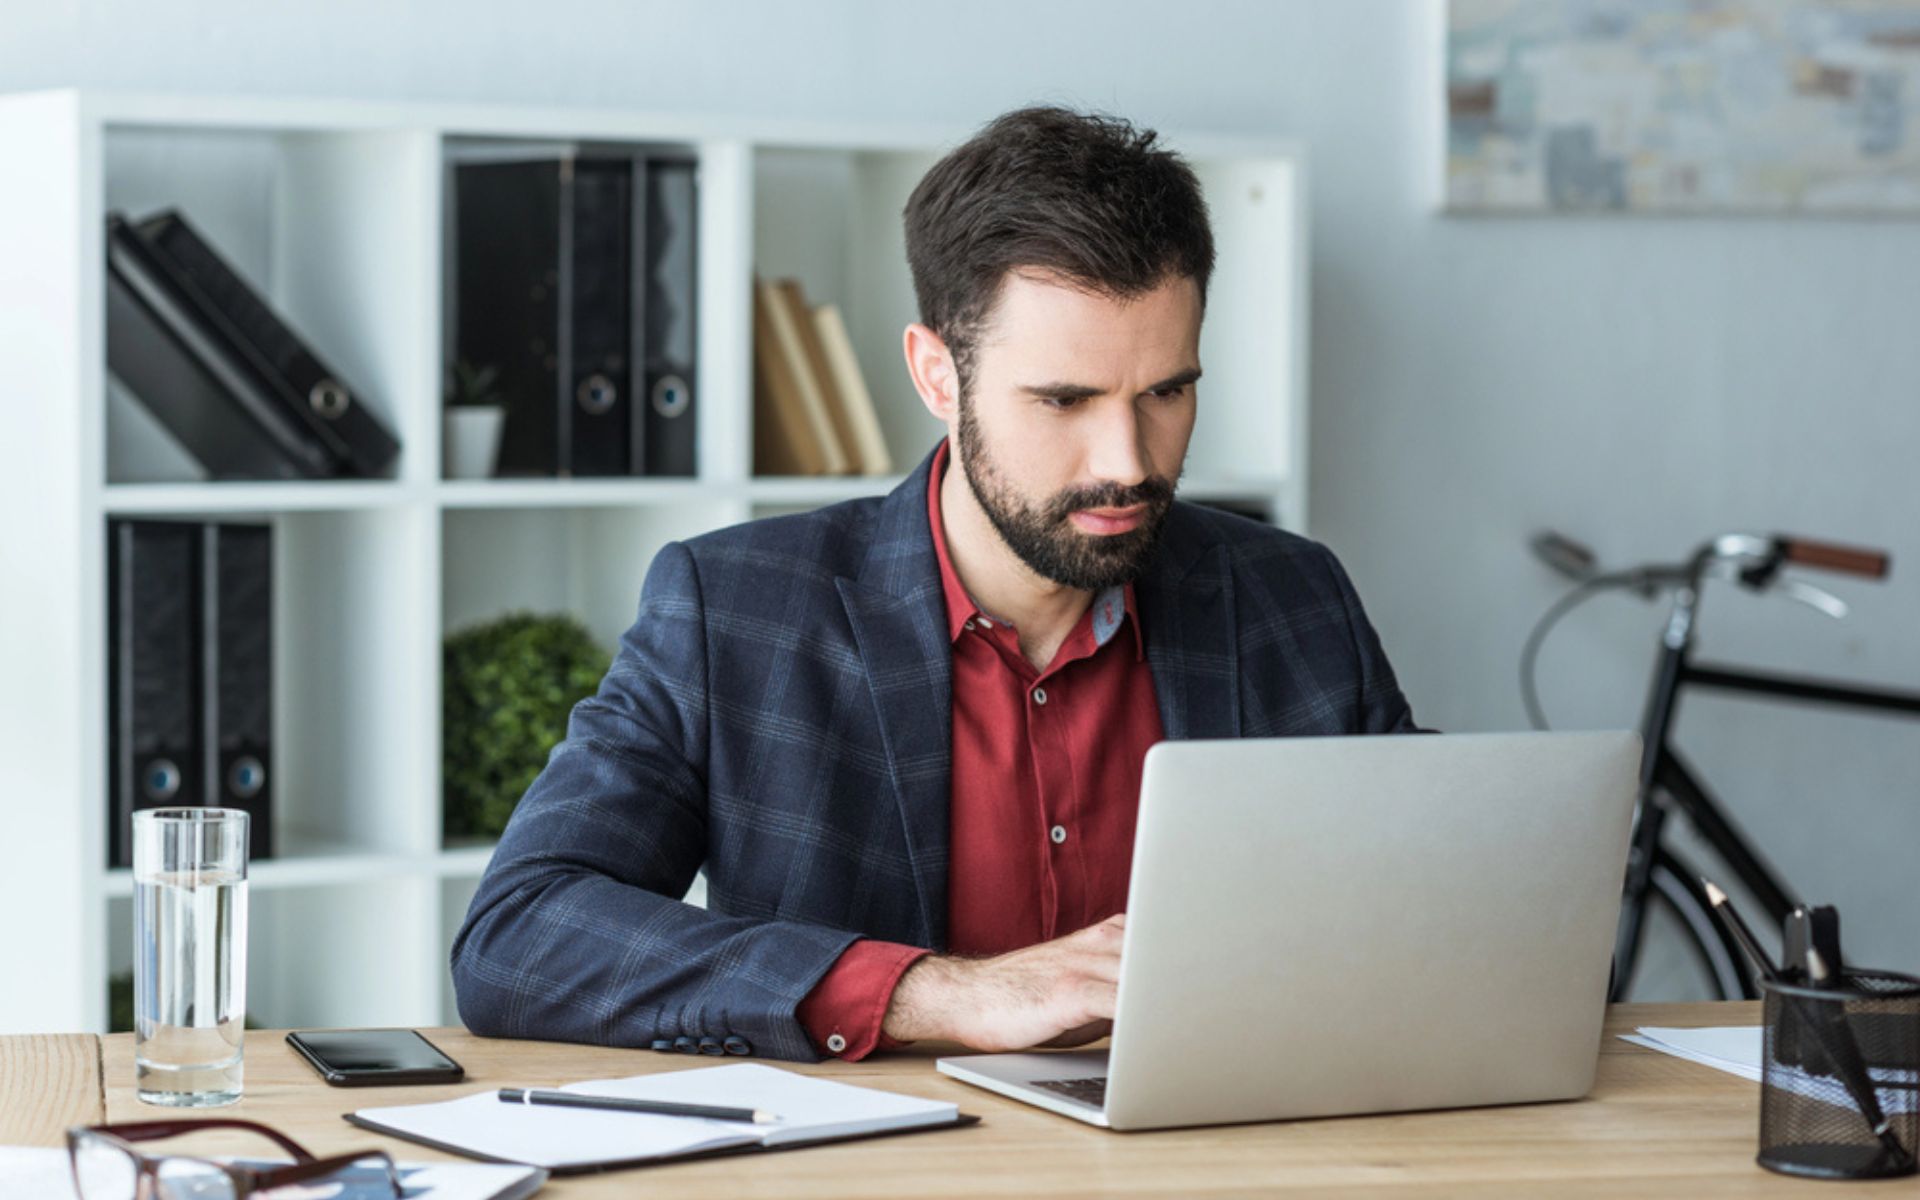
335	210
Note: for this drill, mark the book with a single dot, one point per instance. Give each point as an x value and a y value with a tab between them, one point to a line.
788	346
570	1141
784	442
800	313
850	386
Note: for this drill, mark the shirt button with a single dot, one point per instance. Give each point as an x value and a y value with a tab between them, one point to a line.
1039	695
1058	833
836	1044
968	625
984	623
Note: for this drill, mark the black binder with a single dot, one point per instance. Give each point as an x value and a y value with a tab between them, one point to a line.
664	341
153	674
162	344
575	280
596	278
544	272
310	390
189	674
237	574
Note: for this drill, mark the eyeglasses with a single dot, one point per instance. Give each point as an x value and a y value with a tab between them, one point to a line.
107	1167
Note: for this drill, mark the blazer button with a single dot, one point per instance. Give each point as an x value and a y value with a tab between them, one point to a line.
663	1043
738	1045
686	1045
711	1046
836	1043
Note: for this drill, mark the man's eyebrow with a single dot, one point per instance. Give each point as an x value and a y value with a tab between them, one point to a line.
1081	391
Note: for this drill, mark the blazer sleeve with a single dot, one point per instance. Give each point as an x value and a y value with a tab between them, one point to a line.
577	932
1383	708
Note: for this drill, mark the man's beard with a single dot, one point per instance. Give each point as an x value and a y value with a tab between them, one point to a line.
1046	540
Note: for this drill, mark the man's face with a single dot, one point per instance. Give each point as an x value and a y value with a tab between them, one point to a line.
1074	424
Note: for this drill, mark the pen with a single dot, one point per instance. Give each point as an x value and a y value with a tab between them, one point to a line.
1852	1068
664	1108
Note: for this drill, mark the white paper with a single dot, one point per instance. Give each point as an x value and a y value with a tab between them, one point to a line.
34	1171
550	1136
44	1175
1735	1049
1738	1050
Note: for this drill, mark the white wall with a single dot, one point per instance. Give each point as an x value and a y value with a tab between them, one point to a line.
1640	382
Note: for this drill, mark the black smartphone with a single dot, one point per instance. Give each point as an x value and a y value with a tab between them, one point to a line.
373	1057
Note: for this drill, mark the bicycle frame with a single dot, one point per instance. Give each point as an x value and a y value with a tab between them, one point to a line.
1664	774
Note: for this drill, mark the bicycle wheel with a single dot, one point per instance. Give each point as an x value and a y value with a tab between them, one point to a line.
1685	954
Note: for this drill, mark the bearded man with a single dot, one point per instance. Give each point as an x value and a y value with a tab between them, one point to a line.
904	736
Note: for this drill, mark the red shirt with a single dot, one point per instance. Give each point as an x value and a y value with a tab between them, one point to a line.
1045	788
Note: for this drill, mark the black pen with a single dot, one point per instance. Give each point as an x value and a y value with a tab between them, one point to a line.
1851	1068
664	1108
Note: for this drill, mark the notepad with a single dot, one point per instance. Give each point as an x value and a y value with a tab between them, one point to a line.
566	1140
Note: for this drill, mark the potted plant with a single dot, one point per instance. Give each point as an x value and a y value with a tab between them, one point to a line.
475	413
508	687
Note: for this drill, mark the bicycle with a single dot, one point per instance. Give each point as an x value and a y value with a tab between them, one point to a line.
1660	883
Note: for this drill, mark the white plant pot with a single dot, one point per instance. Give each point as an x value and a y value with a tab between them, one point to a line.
473	440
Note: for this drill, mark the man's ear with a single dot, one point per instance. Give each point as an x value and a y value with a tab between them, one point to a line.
930	364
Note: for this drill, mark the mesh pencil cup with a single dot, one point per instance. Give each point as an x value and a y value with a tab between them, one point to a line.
1827	1049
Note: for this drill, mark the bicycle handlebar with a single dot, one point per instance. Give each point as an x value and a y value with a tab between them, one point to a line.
1755	561
1830	556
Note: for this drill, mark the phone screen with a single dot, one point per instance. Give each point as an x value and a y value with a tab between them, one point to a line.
373	1050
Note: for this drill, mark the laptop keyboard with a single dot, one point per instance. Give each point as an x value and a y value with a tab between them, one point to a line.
1091	1090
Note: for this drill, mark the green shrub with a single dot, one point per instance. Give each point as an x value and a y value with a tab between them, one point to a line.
507	687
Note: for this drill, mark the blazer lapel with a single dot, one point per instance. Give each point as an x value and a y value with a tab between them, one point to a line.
1186	602
897	612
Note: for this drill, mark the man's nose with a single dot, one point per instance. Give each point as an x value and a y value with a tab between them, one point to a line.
1118	454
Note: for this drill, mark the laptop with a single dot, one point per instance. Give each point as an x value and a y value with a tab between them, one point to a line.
1319	926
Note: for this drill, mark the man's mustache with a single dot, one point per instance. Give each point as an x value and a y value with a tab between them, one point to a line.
1155	491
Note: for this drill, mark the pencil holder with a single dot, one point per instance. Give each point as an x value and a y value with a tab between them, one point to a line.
1827	1050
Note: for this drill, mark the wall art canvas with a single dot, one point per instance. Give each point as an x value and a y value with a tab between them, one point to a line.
1745	106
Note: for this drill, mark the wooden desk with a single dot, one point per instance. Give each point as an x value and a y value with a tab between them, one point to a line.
1654	1126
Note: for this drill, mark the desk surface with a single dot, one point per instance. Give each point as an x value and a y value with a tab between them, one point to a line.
1654	1126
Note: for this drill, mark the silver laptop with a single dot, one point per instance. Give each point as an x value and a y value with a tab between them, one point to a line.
1355	925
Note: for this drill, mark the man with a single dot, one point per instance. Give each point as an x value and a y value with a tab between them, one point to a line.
904	736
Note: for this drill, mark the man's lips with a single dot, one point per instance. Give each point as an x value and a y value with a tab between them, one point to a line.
1109	520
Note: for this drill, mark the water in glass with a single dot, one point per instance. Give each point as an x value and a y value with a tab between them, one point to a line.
190	960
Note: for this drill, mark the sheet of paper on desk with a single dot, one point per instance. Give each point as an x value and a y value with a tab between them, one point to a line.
1737	1050
810	1109
44	1175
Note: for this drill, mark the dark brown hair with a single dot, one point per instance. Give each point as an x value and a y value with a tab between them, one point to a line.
1084	195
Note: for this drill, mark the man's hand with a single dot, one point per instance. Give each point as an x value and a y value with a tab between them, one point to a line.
1059	993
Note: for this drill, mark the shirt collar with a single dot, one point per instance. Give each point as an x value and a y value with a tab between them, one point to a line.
1107	612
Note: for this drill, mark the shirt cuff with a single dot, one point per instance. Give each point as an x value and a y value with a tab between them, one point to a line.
845	1010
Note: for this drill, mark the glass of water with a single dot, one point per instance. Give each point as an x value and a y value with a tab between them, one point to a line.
189	954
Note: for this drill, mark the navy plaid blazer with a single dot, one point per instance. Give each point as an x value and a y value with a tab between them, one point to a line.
779	713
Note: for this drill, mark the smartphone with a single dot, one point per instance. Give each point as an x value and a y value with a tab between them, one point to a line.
373	1057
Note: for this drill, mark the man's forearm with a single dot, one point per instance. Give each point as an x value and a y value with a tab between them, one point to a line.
922	1001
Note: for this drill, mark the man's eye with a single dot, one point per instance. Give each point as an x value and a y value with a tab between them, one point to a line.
1170	393
1061	403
